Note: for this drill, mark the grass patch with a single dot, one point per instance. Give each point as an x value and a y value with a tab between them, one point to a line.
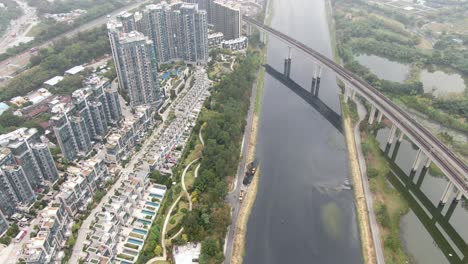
389	205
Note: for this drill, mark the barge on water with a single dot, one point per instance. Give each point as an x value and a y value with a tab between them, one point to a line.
250	172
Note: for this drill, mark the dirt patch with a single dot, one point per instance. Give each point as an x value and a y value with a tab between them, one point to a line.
368	250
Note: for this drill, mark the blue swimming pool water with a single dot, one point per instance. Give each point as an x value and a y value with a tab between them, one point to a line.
140	231
153	204
134	241
146	212
155	195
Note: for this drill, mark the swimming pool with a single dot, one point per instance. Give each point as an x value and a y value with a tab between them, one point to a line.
144	222
153	204
134	241
140	231
146	212
155	195
129	252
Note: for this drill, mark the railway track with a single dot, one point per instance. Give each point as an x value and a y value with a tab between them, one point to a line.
455	169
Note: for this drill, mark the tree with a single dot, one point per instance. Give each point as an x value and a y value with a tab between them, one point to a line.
158	250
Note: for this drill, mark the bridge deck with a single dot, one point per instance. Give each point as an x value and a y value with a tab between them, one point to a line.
444	158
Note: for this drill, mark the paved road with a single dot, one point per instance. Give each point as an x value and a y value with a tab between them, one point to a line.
233	196
77	249
22	59
183	182
18	27
365	180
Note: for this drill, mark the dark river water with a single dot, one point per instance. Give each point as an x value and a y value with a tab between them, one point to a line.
301	213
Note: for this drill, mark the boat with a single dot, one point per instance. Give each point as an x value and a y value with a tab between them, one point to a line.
250	172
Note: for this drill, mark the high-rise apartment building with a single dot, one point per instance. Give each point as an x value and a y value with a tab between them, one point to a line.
45	161
21	144
92	111
3	224
179	32
226	18
14	189
194	33
140	69
157	24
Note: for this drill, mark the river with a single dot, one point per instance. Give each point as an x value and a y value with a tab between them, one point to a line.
301	215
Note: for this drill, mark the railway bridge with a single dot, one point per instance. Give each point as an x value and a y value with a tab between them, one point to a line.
430	148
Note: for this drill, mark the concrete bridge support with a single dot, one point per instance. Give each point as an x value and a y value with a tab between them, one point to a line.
346	93
416	161
401	136
372	115
446	194
316	81
379	116
319	75
287	65
421	178
287	68
428	163
450	210
391	136
349	92
263	37
395	151
459	196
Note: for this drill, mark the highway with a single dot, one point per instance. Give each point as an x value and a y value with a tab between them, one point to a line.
10	65
443	157
19	27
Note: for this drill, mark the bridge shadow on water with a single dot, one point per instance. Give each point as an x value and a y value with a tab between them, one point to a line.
428	214
328	113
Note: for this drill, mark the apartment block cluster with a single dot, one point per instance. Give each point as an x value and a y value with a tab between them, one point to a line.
120	230
164	33
89	116
54	228
121	143
225	24
26	165
55	221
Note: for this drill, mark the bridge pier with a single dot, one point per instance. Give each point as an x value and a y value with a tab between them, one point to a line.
319	75
395	150
391	136
372	114
263	37
401	136
379	117
421	178
450	210
428	163
314	80
459	196
416	161
346	93
287	65
287	68
446	194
